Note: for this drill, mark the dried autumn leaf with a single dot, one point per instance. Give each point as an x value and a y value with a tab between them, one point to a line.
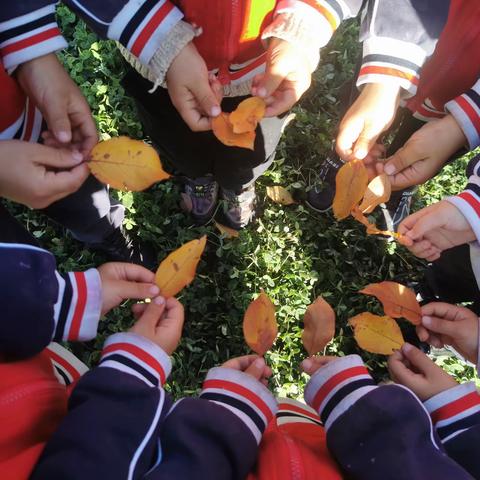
280	195
351	182
259	324
126	164
246	116
378	191
178	269
319	321
397	300
376	334
227	231
223	130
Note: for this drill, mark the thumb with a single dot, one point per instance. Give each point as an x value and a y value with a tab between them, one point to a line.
60	158
424	224
366	141
152	314
439	325
418	360
66	182
400	160
256	368
135	290
206	98
58	122
265	85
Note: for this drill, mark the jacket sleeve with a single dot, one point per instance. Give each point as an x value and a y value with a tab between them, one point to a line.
455	414
40	305
112	427
375	431
215	436
466	111
398	36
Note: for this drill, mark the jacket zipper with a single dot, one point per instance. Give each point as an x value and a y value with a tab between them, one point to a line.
296	469
230	49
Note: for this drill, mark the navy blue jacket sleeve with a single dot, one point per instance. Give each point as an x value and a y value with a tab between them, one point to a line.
377	432
40	305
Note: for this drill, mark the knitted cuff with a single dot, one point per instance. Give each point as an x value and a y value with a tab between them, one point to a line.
138	356
468	202
244	396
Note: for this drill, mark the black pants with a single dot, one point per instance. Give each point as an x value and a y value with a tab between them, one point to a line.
196	154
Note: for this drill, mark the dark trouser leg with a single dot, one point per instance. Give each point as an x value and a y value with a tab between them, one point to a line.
89	213
196	154
11	231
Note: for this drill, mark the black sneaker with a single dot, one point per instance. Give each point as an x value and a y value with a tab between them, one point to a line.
200	198
320	197
396	209
120	247
239	208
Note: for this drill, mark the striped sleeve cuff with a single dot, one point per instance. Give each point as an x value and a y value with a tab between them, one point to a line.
78	308
29	36
138	356
334	388
386	60
244	396
468	202
142	26
455	410
466	110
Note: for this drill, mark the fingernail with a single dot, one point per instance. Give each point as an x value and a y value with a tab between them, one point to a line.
361	153
261	92
307	364
259	363
389	169
427	321
215	112
158	300
63	136
406	347
77	156
154	290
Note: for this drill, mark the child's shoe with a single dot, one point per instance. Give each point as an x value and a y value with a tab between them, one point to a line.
396	209
239	208
200	198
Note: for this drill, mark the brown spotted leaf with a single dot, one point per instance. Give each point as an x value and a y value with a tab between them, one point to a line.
280	195
398	300
126	164
376	334
319	329
259	324
178	269
223	130
351	182
378	191
246	116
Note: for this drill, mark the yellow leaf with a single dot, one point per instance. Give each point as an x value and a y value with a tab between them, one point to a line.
223	130
280	195
351	182
319	321
259	324
126	164
179	268
398	300
227	231
376	334
378	191
246	116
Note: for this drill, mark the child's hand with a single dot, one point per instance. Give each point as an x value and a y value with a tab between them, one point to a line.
286	78
311	364
446	324
121	281
425	153
61	102
413	369
161	321
436	228
36	175
190	90
253	365
370	115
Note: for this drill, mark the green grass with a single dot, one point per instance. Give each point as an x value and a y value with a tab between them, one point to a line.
293	254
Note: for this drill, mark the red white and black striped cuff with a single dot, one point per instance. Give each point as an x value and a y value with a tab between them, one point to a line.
295	412
468	202
386	60
334	388
142	26
244	396
68	368
79	304
30	36
138	356
466	110
455	410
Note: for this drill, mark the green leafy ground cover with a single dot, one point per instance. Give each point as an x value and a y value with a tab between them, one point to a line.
290	252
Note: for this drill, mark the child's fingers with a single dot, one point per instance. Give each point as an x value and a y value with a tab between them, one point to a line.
440	325
240	363
422	333
134	290
407	225
152	313
311	364
138	309
419	248
174	309
443	310
418	360
398	368
256	368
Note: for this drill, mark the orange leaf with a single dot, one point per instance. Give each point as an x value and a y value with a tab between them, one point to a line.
126	164
178	269
378	191
259	324
223	130
376	334
227	231
319	321
280	195
246	116
397	300
351	182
